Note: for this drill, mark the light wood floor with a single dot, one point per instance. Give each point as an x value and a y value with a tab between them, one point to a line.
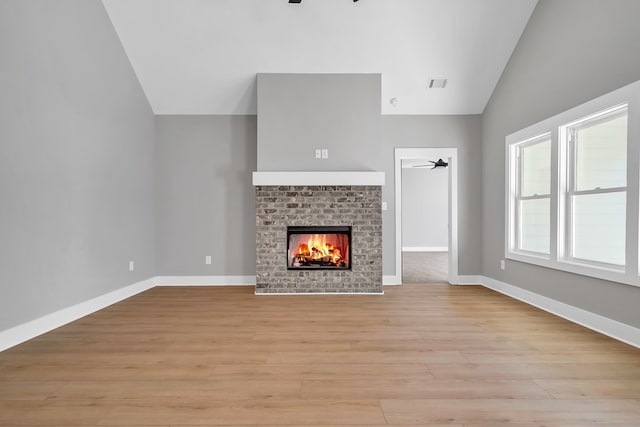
419	355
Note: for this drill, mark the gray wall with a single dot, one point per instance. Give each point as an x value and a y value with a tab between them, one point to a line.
570	52
298	113
462	132
205	194
425	209
76	160
205	199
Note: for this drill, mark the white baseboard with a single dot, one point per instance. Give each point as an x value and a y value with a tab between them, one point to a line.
467	280
604	325
391	280
26	331
205	280
457	280
425	249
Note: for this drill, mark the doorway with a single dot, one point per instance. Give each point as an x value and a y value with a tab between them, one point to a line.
422	156
425	221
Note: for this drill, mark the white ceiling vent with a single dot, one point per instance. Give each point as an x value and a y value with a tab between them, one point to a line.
437	83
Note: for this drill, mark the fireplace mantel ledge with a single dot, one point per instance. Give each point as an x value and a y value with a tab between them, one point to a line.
318	178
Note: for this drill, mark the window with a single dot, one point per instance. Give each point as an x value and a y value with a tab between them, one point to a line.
596	191
533	195
573	189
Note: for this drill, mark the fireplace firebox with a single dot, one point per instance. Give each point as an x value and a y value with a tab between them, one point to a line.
319	248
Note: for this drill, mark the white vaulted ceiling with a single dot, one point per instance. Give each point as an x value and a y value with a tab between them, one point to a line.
202	56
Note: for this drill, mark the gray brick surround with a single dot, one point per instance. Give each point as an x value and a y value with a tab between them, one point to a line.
280	206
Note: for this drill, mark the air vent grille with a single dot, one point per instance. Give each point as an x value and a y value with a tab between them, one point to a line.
437	83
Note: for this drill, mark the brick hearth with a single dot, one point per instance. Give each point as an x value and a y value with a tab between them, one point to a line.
280	206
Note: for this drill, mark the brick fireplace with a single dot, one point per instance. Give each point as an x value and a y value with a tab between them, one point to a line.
353	207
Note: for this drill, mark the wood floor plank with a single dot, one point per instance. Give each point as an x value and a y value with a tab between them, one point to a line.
48	413
104	373
505	371
370	357
512	411
442	341
562	424
367	371
332	425
219	390
296	412
419	355
416	389
28	390
599	388
536	356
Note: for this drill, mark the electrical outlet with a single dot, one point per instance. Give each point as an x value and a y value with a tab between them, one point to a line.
131	266
384	206
502	264
325	153
207	260
318	153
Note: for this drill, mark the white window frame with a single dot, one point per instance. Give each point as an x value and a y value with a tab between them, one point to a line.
568	144
556	127
515	194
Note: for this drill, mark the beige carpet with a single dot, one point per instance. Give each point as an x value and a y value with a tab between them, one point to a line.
424	267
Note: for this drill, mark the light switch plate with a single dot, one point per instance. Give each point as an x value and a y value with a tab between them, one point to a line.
325	153
318	153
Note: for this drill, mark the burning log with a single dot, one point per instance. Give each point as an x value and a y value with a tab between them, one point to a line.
317	252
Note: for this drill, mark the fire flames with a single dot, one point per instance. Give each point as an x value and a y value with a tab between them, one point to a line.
316	251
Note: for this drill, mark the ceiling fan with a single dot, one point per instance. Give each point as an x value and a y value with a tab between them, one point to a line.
439	164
